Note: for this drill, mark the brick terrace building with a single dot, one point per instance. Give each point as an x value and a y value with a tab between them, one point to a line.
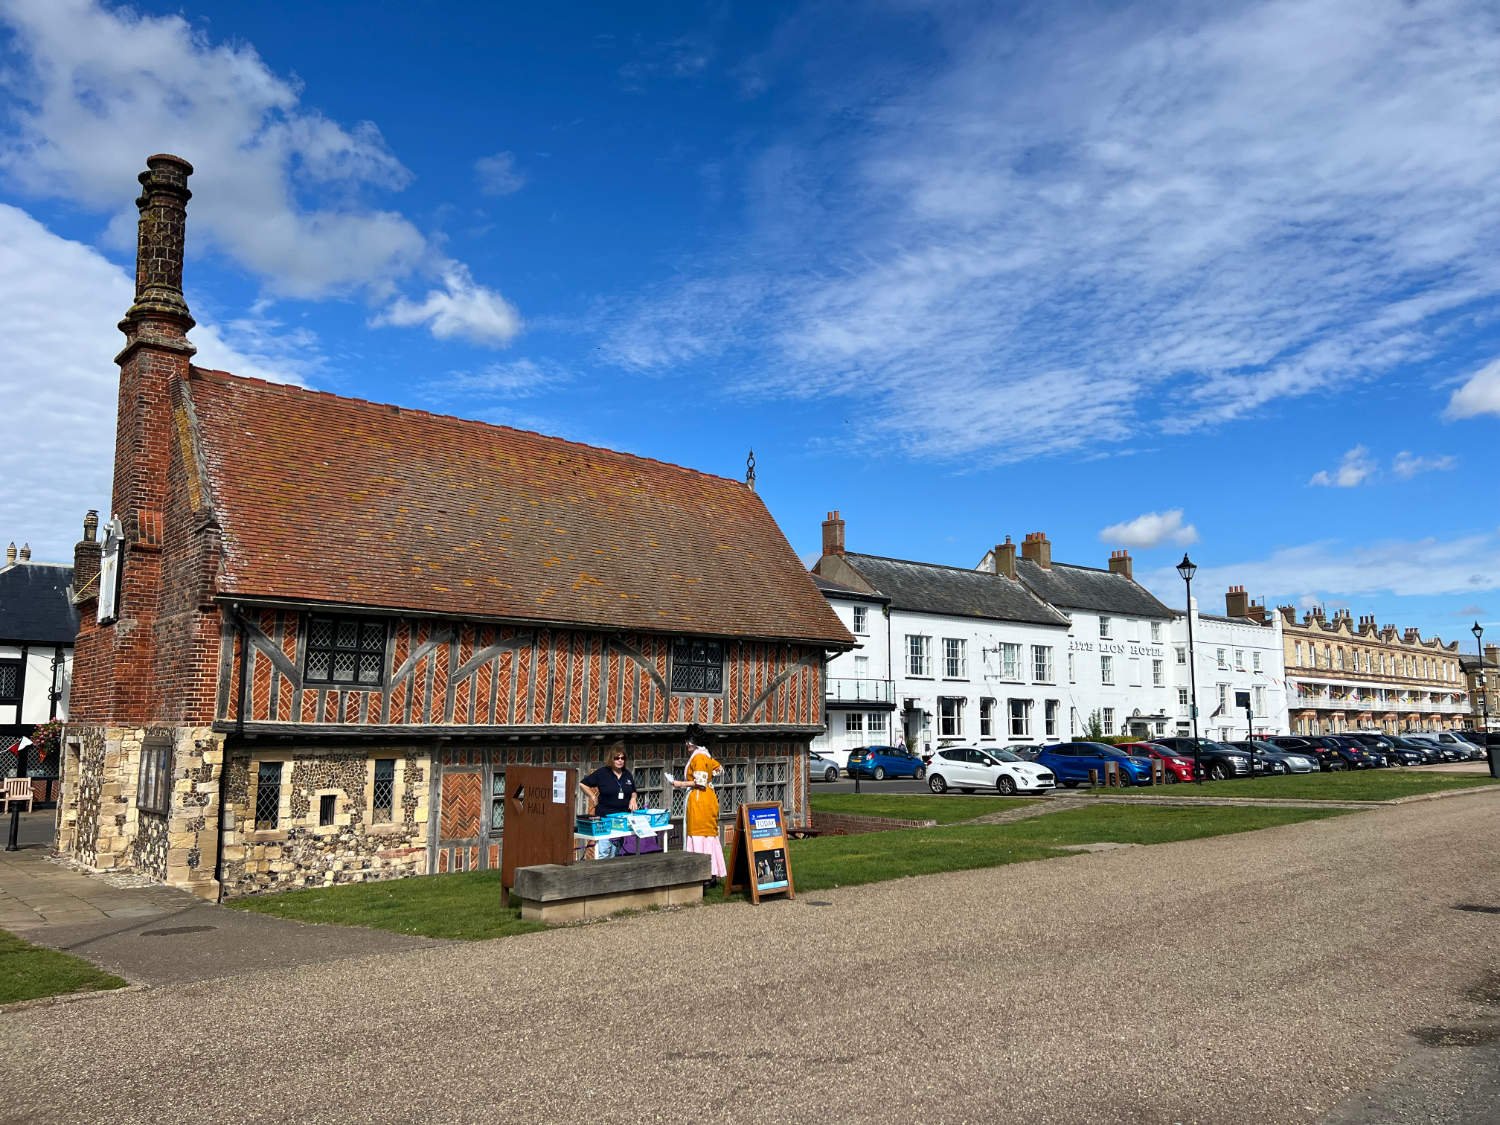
1342	677
321	628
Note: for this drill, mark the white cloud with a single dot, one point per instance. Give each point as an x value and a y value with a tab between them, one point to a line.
1356	468
1480	394
1407	465
1151	530
59	303
1201	208
459	310
498	174
278	188
1329	571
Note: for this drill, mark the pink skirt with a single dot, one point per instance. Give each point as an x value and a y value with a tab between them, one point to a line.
709	846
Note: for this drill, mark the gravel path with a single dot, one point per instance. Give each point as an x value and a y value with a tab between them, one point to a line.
1269	976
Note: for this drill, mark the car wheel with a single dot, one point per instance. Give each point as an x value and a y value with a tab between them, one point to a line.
831	773
1219	772
921	773
1006	785
879	773
1172	778
937	784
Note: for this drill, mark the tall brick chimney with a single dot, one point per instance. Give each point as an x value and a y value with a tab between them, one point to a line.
1038	548
1237	602
1119	563
86	554
833	534
1004	559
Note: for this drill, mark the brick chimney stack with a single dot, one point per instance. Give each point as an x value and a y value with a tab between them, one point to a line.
1258	613
833	534
1004	559
86	554
1119	563
1038	548
1237	602
1492	654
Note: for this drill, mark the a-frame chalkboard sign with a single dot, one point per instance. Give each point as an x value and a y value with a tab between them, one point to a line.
759	861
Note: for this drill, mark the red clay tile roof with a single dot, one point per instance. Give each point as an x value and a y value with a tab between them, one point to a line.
331	499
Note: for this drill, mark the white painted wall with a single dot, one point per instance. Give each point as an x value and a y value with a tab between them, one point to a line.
1131	647
1241	644
37	674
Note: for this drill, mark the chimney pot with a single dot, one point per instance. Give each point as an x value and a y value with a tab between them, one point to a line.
833	534
10	553
90	525
25	552
160	238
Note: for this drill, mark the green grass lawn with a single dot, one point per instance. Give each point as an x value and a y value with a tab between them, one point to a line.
464	907
468	907
946	809
1349	785
28	972
834	861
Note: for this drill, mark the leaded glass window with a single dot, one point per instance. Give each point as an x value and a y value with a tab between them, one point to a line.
771	781
345	650
383	804
733	788
268	795
10	680
698	666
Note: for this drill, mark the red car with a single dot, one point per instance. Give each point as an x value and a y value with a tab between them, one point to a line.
1178	767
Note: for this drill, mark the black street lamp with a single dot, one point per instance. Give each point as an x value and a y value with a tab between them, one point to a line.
1490	752
1187	570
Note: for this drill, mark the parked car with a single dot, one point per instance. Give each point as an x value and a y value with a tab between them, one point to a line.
1178	767
839	758
1447	753
1329	760
1429	753
1072	762
1461	750
820	768
881	762
1375	759
1384	744
967	768
1219	760
1292	761
1265	764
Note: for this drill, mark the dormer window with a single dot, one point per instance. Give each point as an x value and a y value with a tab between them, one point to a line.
698	667
345	650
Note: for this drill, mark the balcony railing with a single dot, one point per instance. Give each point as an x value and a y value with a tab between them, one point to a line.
851	689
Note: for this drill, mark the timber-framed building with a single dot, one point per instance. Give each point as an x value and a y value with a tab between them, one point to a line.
319	629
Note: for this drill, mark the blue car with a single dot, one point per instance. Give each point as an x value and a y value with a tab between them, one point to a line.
881	762
1072	762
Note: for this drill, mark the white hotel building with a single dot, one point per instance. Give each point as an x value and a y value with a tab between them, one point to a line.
1238	662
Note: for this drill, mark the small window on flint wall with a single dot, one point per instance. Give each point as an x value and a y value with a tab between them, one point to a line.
345	650
154	787
698	667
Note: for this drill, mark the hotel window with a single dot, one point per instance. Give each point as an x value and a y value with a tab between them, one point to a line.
697	666
1041	663
1107	720
1239	659
1341	660
1223	696
1010	662
1260	699
986	718
1107	669
1182	697
1223	658
876	724
1020	718
1158	674
861	667
861	619
1156	630
955	658
1104	628
1049	717
854	722
345	650
1181	654
1255	661
1072	677
918	655
950	717
1297	653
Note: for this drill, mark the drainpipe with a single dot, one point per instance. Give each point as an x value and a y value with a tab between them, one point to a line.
239	727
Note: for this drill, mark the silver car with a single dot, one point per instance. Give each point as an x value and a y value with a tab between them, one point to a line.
820	768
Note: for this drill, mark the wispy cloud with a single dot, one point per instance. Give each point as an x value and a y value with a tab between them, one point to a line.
1151	530
1355	469
92	90
1407	465
1194	209
498	174
459	310
516	379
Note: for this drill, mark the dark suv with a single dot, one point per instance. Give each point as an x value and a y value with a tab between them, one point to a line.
1218	760
1329	760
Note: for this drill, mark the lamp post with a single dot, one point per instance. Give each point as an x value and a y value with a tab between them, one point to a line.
1187	570
1490	752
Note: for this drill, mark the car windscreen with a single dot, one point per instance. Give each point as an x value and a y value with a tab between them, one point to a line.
1006	756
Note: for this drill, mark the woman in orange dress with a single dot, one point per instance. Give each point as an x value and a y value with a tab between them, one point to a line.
701	826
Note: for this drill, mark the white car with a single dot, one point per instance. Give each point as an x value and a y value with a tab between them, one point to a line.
967	768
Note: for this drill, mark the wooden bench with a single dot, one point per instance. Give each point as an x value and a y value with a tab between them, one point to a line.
557	893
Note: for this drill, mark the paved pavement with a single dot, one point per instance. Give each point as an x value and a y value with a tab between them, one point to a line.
1284	975
154	935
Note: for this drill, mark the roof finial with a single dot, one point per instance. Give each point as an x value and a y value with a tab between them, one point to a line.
750	470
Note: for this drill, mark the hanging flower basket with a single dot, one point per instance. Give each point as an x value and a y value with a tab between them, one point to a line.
47	739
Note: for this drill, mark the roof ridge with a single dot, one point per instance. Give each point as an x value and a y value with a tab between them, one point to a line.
935	566
468	422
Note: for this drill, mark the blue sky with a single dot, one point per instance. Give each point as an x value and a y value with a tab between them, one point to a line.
1206	276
